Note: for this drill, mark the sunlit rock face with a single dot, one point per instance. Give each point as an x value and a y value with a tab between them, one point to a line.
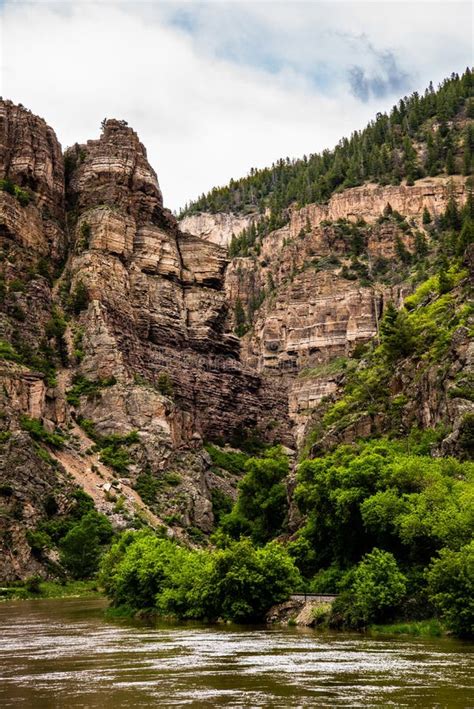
217	228
311	313
158	297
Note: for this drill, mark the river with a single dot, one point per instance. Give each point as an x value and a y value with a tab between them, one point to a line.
62	653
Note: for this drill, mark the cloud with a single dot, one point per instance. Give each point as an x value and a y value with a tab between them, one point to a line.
387	80
216	88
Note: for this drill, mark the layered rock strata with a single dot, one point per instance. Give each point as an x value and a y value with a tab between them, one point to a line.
217	228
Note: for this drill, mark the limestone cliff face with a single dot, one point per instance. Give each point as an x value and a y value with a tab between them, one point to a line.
99	283
315	309
157	299
369	201
217	228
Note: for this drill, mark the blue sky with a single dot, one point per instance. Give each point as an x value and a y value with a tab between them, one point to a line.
216	88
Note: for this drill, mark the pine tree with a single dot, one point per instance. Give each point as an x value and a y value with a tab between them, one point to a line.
426	216
421	247
396	333
240	319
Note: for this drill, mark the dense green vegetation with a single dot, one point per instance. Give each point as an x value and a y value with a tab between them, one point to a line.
387	526
261	507
239	582
81	535
421	136
391	496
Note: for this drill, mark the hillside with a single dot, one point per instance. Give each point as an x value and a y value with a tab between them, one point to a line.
422	136
148	373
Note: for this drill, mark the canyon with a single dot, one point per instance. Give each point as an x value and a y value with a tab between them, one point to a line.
312	315
118	324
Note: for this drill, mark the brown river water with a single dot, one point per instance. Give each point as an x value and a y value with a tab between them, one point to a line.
62	653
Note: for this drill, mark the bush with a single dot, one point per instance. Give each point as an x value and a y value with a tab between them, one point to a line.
38	541
377	588
232	461
261	506
36	430
451	588
87	387
164	384
148	486
245	582
221	505
239	583
78	299
81	547
7	185
32	584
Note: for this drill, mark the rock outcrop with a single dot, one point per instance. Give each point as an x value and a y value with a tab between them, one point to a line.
217	228
311	300
138	310
156	299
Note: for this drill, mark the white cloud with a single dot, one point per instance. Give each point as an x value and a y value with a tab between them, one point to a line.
213	90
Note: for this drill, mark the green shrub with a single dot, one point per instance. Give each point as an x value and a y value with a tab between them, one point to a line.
221	505
81	546
377	588
164	384
148	486
8	352
87	387
261	506
239	583
116	457
232	461
7	185
38	541
78	299
32	584
451	588
36	430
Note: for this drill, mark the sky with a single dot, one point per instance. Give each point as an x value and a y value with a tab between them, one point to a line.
216	88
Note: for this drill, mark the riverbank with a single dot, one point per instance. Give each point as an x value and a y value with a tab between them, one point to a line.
31	589
310	614
430	628
315	612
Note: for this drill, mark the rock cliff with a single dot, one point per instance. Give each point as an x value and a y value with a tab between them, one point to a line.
318	286
114	328
217	228
118	354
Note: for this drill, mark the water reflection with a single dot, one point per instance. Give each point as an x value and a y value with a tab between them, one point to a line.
63	654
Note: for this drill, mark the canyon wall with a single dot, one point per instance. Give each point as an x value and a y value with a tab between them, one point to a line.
100	286
316	301
217	228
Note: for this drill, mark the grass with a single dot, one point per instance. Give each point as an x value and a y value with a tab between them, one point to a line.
51	589
430	628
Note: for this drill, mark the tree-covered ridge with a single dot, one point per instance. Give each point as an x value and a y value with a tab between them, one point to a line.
427	134
422	248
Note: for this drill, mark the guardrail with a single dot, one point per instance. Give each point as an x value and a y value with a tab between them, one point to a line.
316	597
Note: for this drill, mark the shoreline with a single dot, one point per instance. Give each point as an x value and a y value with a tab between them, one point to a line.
89	590
51	590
